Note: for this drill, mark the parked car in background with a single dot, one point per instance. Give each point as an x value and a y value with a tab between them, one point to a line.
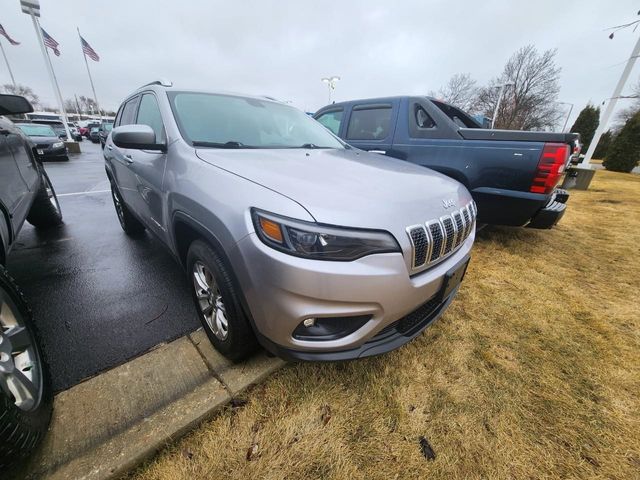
94	134
56	125
512	175
75	133
26	193
48	146
86	130
287	234
103	133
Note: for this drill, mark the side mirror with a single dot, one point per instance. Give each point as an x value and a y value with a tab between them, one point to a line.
140	137
14	105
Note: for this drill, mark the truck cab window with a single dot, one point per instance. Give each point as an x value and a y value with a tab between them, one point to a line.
369	123
332	120
456	115
423	120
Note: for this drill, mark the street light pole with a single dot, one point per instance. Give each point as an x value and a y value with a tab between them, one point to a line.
331	84
495	112
566	120
32	8
586	162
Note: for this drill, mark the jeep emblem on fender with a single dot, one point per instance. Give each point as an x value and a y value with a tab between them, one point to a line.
448	203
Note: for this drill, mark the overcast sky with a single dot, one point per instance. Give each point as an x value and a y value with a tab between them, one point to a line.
283	48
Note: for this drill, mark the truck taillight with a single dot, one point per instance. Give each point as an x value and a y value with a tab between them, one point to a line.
550	167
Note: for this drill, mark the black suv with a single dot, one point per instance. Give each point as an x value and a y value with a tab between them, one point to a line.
25	194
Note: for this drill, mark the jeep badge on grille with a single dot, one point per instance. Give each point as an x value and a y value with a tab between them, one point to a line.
448	203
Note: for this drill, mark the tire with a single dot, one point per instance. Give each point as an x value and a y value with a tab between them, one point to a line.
45	211
130	224
208	275
23	423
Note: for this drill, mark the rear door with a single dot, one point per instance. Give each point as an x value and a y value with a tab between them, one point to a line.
371	126
14	191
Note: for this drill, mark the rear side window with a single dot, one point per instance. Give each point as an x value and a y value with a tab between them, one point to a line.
129	112
370	123
149	114
458	117
423	119
332	120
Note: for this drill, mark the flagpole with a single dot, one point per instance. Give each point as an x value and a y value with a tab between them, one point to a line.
95	97
52	75
13	80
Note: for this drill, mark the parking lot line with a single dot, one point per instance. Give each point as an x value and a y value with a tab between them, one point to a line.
82	193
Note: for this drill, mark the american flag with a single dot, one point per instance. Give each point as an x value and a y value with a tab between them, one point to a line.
50	42
4	33
88	51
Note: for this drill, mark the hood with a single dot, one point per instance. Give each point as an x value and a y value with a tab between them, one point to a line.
45	140
347	187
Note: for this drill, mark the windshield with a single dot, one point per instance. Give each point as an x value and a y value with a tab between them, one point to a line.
226	121
37	130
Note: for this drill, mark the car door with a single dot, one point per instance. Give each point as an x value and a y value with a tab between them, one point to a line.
15	189
148	167
371	126
121	159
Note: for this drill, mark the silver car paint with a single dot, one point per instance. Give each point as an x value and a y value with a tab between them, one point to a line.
216	188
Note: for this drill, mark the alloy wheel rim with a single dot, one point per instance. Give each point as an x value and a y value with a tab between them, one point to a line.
51	196
118	205
20	369
210	301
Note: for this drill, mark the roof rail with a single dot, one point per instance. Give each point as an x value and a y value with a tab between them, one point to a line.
161	81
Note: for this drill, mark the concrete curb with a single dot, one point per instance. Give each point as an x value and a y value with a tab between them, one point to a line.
107	425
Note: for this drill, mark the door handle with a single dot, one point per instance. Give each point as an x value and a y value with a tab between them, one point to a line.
381	152
109	147
128	159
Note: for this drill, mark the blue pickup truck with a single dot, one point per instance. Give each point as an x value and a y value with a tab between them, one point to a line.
512	175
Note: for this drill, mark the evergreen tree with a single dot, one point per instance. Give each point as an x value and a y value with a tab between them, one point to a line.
586	125
603	145
624	152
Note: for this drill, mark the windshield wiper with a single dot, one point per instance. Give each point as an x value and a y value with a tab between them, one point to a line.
229	144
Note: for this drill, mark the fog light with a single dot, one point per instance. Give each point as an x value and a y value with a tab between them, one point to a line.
329	328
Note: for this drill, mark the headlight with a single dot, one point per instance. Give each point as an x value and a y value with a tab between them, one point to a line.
57	145
320	242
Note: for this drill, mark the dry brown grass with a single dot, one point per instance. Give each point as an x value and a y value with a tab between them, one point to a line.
534	372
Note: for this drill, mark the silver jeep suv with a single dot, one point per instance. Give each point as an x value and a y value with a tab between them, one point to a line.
289	236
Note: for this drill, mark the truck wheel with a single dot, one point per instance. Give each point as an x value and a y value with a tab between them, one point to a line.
26	396
217	303
130	224
45	211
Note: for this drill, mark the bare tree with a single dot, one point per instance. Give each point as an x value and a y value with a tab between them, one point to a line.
460	91
626	113
531	103
24	91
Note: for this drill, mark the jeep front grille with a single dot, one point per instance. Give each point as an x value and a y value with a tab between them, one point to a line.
437	239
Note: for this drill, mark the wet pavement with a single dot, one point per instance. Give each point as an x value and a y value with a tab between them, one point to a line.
99	298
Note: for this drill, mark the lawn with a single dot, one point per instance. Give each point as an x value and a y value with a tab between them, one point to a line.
533	372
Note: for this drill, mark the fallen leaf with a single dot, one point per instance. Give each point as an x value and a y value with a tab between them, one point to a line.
427	451
326	414
252	453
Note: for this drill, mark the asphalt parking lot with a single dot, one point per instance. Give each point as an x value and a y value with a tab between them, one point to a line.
99	297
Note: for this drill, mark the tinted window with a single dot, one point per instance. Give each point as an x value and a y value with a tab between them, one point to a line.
423	119
129	112
149	114
116	122
332	120
369	124
457	116
227	121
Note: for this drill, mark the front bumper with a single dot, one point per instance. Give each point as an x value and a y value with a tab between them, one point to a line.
282	290
54	154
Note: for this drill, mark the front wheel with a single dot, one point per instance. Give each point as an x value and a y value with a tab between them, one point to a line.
217	303
45	211
26	396
128	222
